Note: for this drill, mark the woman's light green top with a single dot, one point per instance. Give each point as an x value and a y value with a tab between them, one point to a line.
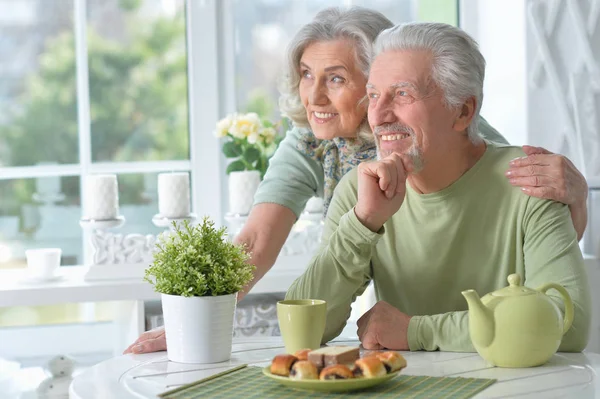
293	177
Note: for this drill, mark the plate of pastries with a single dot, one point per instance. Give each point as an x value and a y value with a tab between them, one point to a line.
334	368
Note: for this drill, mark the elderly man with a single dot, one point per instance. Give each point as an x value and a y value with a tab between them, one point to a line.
435	215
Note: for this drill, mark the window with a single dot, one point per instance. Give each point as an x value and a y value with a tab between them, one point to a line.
86	86
61	120
138	80
262	29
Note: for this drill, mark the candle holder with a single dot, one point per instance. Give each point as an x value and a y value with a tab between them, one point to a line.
117	256
103	224
304	238
166	222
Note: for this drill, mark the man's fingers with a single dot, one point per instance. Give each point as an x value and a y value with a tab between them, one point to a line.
530	150
400	173
371	342
390	168
384	174
377	171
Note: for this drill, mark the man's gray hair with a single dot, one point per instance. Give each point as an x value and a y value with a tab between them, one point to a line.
458	66
356	23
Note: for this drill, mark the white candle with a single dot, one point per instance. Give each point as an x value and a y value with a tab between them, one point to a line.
174	195
102	197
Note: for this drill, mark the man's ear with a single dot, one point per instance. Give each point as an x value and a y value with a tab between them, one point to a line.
465	115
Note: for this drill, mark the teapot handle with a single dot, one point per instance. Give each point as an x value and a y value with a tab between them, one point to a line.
569	309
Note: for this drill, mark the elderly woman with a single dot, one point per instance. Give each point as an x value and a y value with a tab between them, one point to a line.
322	92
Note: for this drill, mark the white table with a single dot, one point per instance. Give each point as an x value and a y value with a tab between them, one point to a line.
144	376
131	293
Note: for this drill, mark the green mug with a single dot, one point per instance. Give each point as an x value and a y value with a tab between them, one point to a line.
302	323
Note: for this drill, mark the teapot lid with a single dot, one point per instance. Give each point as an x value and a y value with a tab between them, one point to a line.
514	288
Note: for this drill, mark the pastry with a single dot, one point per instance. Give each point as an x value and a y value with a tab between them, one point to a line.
392	361
369	367
304	370
331	355
302	354
336	372
282	364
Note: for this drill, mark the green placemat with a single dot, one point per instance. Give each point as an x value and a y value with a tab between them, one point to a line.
249	382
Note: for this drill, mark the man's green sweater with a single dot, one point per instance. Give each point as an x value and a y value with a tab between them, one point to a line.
472	234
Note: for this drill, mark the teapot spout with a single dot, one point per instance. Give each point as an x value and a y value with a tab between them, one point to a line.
481	320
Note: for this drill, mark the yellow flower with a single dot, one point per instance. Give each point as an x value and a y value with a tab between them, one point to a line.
223	127
268	133
253	137
244	126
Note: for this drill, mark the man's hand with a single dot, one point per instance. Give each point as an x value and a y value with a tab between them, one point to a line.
384	327
150	341
381	190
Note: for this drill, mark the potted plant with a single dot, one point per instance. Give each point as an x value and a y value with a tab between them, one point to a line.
249	143
198	273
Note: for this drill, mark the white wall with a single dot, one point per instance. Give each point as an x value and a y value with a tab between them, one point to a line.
499	28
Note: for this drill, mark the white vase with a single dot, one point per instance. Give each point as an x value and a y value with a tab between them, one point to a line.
242	187
198	329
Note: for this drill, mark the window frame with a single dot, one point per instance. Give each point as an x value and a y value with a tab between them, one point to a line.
203	110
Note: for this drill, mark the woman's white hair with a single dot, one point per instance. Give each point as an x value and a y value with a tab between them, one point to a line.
458	66
356	23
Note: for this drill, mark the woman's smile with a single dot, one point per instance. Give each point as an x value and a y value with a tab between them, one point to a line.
323	117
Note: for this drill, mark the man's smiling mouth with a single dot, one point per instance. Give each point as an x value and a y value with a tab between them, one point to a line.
394	137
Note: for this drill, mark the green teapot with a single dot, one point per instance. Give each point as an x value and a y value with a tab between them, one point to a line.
517	326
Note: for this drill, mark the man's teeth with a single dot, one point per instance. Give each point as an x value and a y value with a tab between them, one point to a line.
324	115
393	137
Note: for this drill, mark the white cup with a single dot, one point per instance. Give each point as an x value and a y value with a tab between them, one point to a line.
43	262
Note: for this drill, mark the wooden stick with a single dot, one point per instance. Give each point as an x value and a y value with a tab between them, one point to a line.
191	384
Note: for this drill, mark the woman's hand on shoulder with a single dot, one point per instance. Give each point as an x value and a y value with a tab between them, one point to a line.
544	174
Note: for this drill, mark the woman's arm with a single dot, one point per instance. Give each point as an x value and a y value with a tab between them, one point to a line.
547	175
264	234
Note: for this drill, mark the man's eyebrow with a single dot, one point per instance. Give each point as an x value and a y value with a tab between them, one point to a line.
397	85
302	64
400	85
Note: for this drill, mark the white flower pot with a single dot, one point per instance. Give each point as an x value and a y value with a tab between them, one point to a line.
242	187
198	329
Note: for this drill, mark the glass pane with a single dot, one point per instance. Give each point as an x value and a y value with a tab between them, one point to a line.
264	27
38	99
262	30
138	80
40	213
138	203
397	11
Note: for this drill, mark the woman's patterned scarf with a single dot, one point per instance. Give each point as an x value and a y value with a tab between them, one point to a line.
338	156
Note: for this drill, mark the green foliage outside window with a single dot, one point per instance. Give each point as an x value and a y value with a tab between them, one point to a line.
138	102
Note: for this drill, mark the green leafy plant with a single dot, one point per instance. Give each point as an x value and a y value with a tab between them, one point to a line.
198	261
250	141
